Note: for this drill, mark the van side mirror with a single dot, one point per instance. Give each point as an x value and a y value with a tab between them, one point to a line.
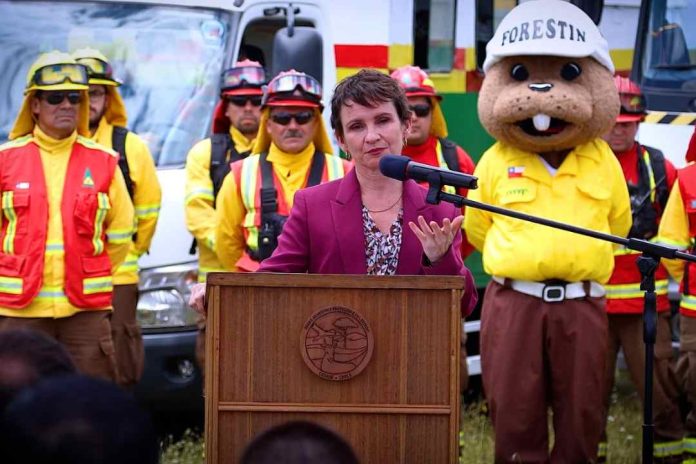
303	51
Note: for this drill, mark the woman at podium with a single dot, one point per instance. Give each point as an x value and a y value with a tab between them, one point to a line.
367	223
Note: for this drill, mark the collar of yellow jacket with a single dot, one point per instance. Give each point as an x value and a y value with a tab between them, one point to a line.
241	143
290	161
438	127
321	137
103	133
596	150
115	112
24	123
51	145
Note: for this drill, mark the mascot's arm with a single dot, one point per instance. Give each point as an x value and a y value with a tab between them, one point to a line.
620	215
476	221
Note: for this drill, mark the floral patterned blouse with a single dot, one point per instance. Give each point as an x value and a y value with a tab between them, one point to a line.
382	251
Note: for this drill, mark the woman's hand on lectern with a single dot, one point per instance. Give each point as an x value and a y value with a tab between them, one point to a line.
197	298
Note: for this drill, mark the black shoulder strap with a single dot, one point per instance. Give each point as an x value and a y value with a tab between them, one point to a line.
220	144
118	143
657	162
317	169
269	195
449	152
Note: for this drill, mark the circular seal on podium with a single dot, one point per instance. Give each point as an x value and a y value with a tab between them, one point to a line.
336	343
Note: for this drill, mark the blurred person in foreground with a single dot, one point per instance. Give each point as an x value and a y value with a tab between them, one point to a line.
387	221
26	357
298	442
75	419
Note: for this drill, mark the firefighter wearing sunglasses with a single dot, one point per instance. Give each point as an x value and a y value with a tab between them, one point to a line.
678	228
292	151
427	143
235	124
66	222
649	177
107	125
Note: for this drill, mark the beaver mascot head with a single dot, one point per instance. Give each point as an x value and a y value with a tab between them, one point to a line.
549	83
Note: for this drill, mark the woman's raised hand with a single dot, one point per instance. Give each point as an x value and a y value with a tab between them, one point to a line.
436	239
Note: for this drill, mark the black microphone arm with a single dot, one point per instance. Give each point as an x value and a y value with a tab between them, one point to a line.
402	168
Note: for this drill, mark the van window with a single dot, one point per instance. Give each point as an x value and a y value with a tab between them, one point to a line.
433	34
257	42
169	59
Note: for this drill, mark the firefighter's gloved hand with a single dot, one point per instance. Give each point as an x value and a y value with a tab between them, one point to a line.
197	298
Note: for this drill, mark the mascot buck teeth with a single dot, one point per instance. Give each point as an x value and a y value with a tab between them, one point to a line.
547	97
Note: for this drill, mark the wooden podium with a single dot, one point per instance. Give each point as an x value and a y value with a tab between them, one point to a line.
375	358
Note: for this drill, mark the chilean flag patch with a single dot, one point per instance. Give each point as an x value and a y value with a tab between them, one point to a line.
515	171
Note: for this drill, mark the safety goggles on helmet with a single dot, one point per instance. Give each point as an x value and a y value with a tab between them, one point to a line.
97	68
55	74
289	83
245	76
632	103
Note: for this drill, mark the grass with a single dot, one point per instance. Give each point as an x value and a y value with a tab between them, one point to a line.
624	428
624	431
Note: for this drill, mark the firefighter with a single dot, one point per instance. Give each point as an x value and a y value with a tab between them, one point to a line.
67	222
294	152
649	177
427	143
107	125
678	228
235	124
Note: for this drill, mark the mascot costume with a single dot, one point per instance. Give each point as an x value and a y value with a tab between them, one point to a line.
547	97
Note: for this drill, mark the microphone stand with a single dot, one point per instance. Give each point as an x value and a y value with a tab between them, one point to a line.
647	264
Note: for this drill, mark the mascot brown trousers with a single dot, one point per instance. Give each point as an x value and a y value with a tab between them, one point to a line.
536	355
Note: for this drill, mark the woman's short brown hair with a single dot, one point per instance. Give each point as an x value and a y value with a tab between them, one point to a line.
368	88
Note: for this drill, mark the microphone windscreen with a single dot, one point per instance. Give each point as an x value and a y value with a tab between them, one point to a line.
394	166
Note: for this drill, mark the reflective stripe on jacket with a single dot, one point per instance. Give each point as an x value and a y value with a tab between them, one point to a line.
248	177
85	204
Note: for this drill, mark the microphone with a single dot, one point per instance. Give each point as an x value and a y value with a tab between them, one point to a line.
402	168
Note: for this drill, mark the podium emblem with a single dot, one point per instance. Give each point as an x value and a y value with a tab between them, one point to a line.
336	343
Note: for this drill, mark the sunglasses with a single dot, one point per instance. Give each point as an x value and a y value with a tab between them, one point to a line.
420	110
58	73
283	118
56	98
241	100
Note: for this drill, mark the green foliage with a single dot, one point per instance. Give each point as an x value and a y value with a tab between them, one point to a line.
476	438
623	428
189	450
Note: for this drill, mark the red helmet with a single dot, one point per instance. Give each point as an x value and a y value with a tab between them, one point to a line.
632	100
244	78
415	82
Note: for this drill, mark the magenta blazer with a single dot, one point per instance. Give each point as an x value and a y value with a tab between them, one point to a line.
324	235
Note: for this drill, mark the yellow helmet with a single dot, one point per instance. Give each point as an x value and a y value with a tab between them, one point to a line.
98	66
56	71
52	71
